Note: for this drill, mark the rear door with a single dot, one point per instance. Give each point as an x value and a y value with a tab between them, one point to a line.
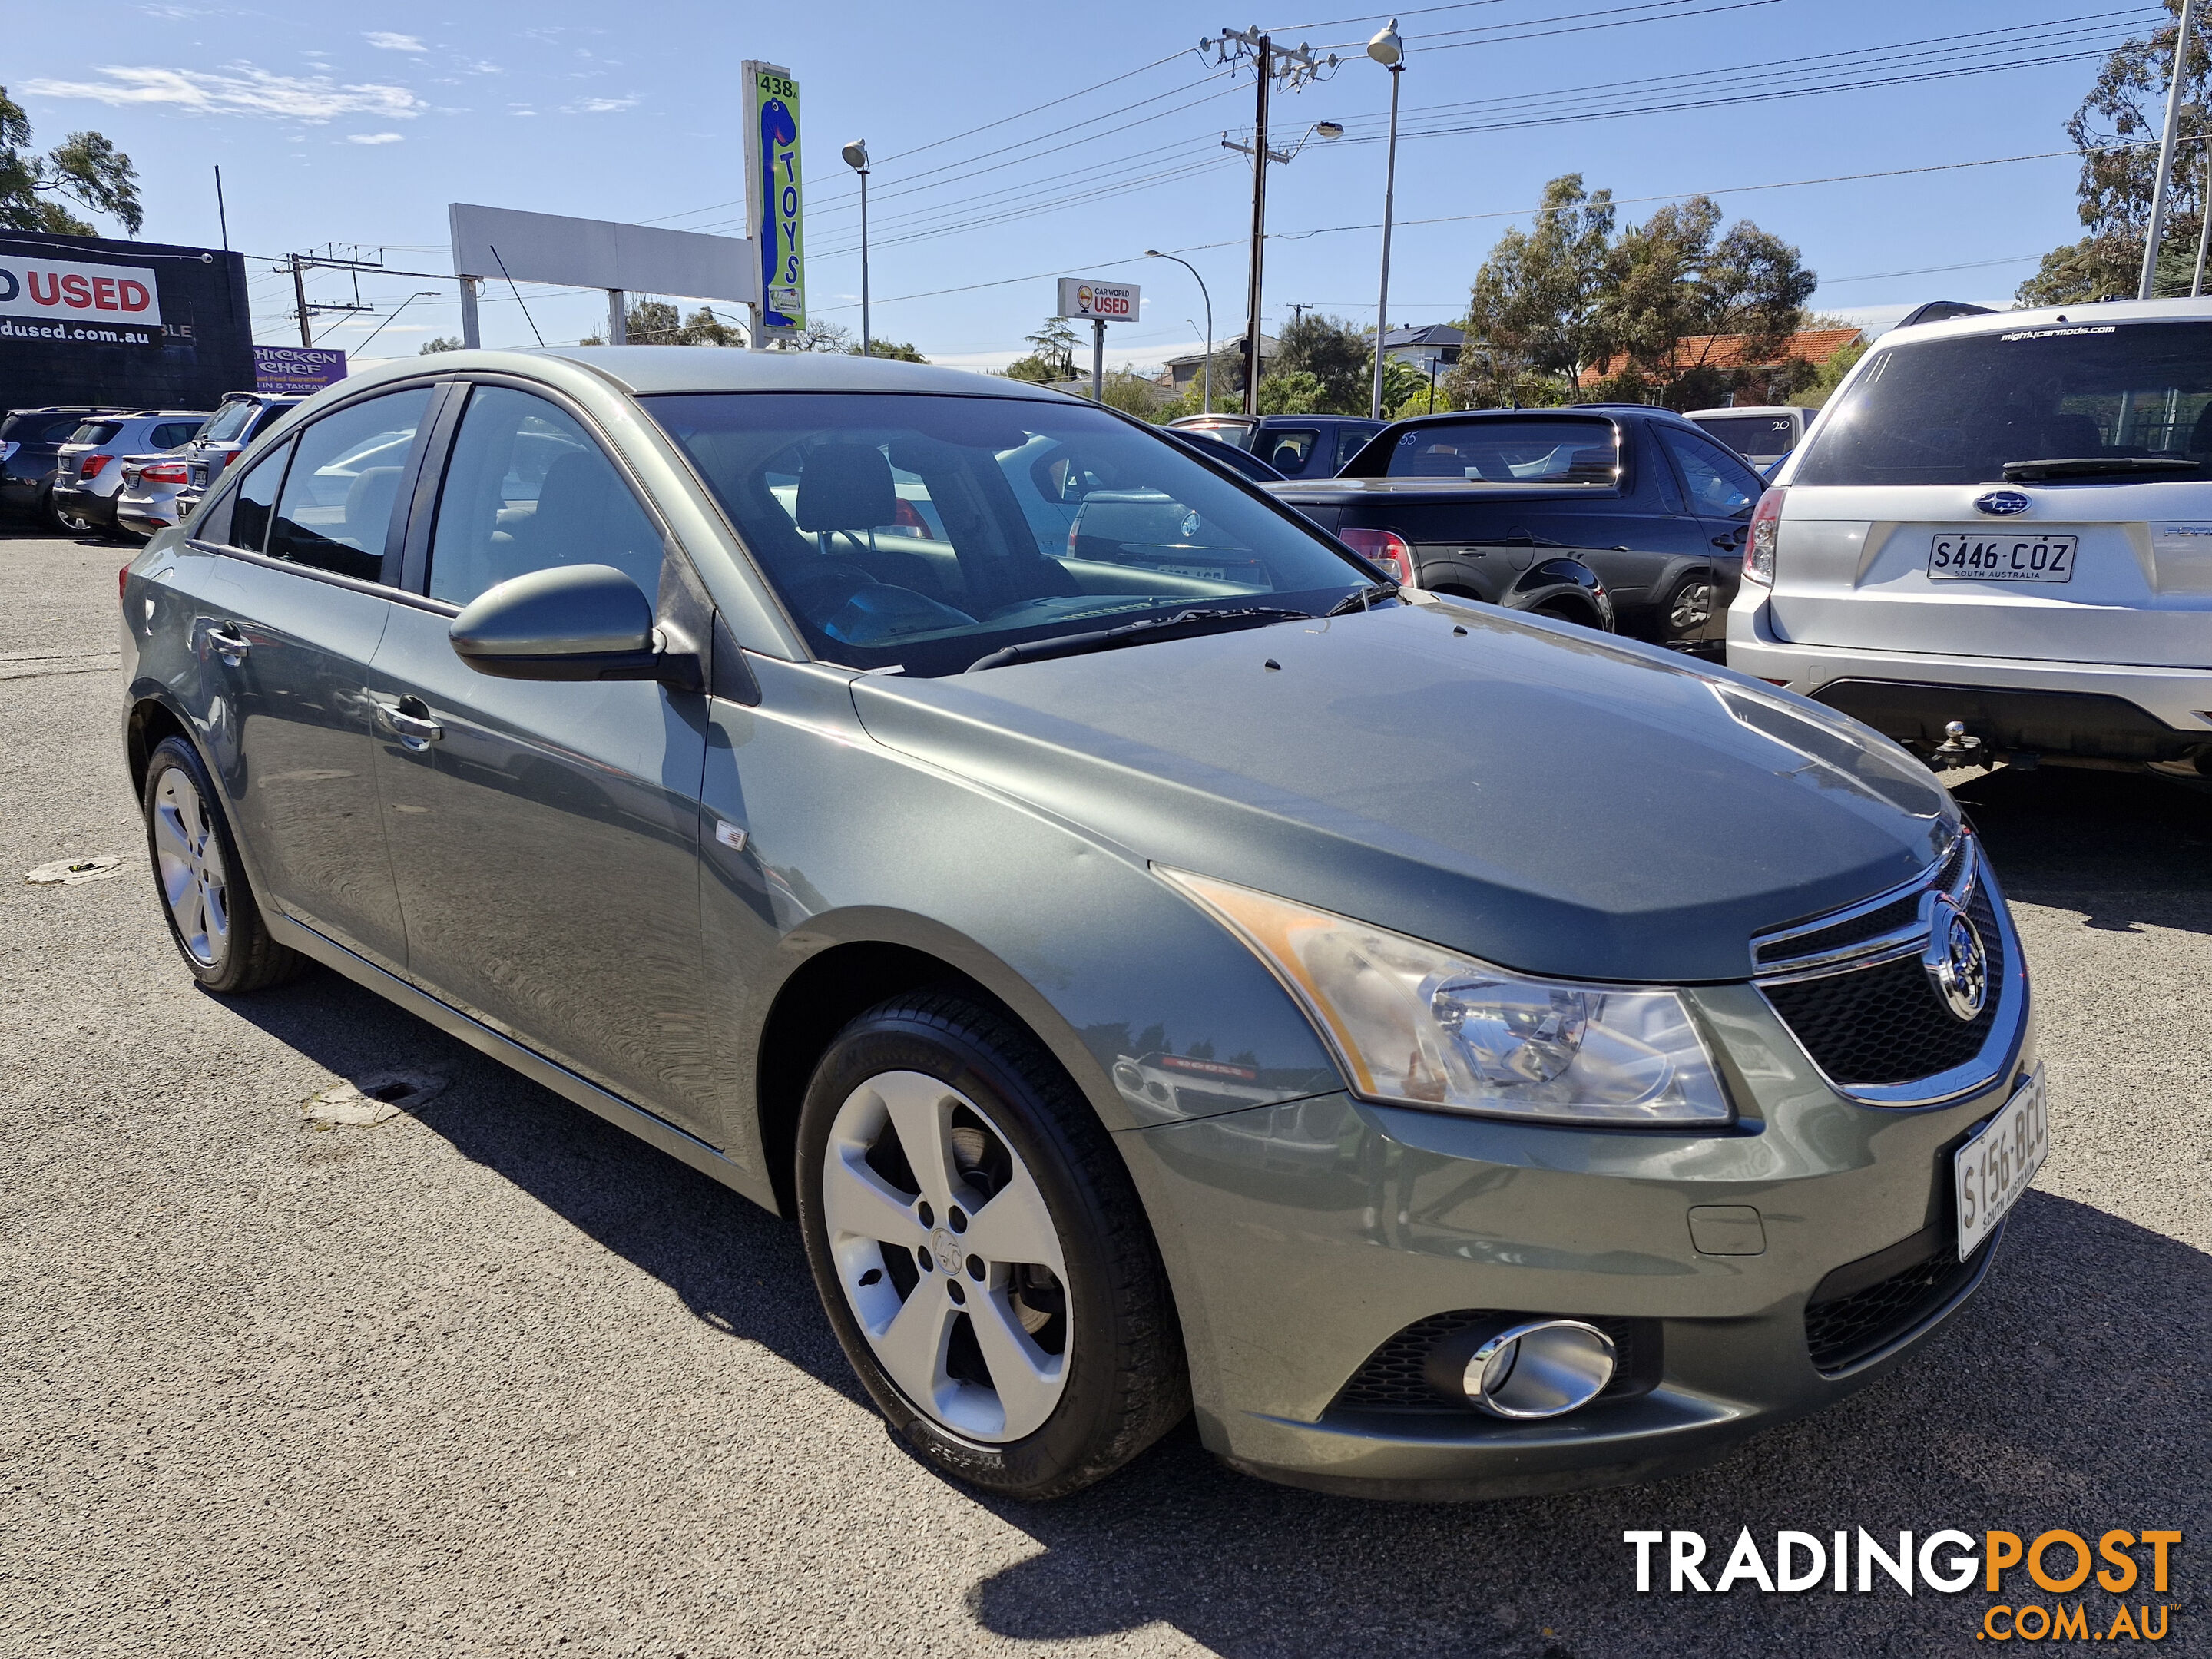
545	836
1902	531
286	626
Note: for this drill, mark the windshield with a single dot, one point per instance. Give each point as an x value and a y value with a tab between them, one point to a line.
1762	437
930	531
224	426
1956	411
1549	452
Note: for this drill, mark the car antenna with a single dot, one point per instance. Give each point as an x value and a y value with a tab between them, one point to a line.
515	291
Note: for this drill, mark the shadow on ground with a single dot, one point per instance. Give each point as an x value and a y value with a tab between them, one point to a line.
2124	849
2073	1391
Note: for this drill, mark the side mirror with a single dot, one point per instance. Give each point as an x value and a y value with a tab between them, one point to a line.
572	622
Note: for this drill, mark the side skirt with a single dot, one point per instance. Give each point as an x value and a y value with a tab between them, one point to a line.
655	1131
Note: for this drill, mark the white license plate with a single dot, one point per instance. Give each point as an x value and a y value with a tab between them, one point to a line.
2014	558
1991	1171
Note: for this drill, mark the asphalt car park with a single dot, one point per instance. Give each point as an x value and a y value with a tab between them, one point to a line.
487	1374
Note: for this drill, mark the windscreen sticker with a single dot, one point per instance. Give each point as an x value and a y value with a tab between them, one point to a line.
2047	333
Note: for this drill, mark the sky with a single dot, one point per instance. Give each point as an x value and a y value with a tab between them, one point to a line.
1015	145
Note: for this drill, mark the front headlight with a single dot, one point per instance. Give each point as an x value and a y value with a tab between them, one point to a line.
1419	1025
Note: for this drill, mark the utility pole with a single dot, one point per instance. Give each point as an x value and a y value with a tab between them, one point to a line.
2158	196
300	294
1265	48
221	214
1294	68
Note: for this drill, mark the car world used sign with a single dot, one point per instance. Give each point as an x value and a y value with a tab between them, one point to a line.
1086	296
296	371
69	301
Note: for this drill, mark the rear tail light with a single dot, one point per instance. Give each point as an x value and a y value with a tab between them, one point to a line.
1766	531
228	456
93	466
123	583
907	518
1384	547
165	472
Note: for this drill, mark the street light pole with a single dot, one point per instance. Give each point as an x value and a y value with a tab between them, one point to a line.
1154	253
2157	231
1388	50
856	157
1266	48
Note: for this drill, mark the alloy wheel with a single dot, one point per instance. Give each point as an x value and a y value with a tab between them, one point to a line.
188	857
1693	606
948	1256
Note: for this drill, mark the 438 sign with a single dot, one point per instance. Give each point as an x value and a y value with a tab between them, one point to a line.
773	194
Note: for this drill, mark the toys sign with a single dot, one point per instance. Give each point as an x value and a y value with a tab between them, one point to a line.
1106	302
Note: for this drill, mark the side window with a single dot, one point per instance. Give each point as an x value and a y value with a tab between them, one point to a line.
528	489
1350	440
1663	474
335	510
1720	485
252	502
169	435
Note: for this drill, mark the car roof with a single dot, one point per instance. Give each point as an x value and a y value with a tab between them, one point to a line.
2086	314
648	369
1748	409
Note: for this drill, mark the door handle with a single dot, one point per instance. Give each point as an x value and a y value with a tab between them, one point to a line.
228	644
415	731
1729	544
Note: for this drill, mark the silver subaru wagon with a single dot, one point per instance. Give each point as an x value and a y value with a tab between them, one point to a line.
1454	1054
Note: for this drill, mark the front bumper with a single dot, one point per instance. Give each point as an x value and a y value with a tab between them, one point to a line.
2113	711
1301	1239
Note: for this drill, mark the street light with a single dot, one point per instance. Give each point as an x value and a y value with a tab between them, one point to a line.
1388	50
856	157
1154	253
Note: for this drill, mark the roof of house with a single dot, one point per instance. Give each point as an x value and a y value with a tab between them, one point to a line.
1233	345
1435	334
1812	345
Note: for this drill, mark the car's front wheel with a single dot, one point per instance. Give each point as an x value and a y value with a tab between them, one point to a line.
981	1252
212	919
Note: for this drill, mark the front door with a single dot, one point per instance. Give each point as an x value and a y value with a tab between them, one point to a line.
1723	491
544	836
287	630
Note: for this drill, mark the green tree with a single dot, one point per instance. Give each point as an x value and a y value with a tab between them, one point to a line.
1677	285
1330	351
657	322
1534	307
2117	129
85	167
438	342
1054	341
894	350
1293	391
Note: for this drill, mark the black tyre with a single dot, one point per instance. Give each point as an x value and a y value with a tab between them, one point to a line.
214	920
980	1252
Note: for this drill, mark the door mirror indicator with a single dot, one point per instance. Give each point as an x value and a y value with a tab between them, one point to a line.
576	622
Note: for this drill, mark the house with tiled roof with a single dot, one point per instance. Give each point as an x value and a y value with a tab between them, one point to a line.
1763	379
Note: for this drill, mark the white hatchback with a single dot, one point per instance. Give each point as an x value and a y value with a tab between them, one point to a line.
2003	521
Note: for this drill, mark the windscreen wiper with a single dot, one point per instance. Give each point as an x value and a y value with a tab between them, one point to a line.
1373	593
2091	466
1183	624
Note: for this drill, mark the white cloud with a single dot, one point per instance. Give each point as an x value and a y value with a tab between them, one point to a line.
598	105
240	90
385	40
373	138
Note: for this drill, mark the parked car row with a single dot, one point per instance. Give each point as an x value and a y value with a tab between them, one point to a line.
1160	961
84	470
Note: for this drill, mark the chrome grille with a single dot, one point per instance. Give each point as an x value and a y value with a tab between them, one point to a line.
1852	990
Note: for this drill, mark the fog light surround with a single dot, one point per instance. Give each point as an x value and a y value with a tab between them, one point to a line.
1538	1369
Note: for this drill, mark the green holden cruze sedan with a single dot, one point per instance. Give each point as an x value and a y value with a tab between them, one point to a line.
1161	966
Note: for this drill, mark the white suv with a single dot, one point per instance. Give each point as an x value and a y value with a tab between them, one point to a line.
2003	521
